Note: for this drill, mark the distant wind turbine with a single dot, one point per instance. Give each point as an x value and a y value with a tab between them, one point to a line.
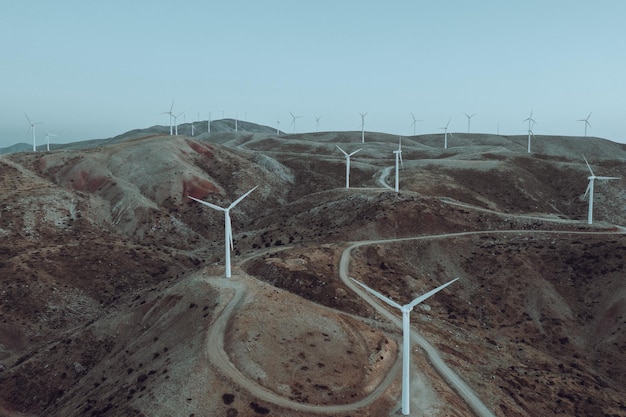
176	116
414	123
347	155
317	123
363	126
277	127
48	136
468	120
586	120
589	191
236	121
208	124
445	134
293	121
228	232
398	158
171	116
32	127
531	123
406	336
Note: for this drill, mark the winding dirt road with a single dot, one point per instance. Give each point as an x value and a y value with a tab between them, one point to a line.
218	357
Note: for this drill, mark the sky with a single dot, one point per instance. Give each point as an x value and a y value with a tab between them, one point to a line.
90	70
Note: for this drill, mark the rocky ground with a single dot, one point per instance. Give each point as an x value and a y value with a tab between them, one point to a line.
108	276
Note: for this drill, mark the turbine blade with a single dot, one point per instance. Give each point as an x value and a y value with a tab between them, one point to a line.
213	206
587	190
234	203
429	293
28	118
379	295
354	152
344	152
229	232
608	178
401	163
588	166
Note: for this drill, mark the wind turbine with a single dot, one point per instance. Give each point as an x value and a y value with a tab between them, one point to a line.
176	116
48	136
236	122
363	126
398	158
171	115
586	120
228	231
468	120
445	136
208	124
531	122
32	126
589	190
277	127
317	123
414	122
293	121
406	335
348	155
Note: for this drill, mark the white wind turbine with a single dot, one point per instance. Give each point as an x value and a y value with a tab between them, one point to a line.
317	123
406	336
363	126
208	124
228	231
469	117
176	116
347	155
586	120
32	126
398	159
48	136
277	127
171	115
293	121
589	190
445	135
531	123
414	123
236	122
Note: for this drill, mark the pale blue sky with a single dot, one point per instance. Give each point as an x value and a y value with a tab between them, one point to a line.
92	69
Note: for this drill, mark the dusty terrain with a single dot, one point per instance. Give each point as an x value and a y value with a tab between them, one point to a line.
112	301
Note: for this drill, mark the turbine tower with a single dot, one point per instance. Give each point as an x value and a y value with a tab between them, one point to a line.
406	336
589	190
468	120
293	121
398	159
32	127
586	120
531	123
48	136
363	126
277	127
445	135
414	123
228	232
208	124
347	155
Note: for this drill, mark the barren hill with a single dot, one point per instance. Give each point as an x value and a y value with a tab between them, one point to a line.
112	303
